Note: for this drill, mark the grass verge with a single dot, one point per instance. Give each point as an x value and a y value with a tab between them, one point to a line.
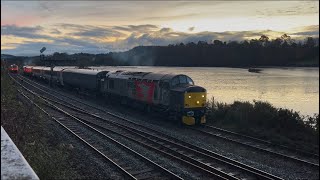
33	134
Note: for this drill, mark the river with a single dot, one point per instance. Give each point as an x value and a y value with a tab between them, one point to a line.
292	88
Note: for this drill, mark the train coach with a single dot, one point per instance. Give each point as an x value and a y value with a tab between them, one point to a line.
37	72
83	79
54	74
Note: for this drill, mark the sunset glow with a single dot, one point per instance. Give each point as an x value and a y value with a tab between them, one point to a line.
104	26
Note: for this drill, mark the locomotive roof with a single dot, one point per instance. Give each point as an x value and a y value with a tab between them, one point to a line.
143	75
154	76
189	88
85	71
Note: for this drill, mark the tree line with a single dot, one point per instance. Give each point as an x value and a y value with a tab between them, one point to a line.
282	51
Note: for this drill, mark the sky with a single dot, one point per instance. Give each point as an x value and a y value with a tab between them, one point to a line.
108	26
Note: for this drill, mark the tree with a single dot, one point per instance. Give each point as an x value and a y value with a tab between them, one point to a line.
233	44
276	43
264	40
202	43
310	42
255	43
245	44
286	39
218	43
191	44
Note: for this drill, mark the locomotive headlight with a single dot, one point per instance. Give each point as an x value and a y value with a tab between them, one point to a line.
189	97
203	96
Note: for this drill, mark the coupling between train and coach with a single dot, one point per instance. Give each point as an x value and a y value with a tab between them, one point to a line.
173	94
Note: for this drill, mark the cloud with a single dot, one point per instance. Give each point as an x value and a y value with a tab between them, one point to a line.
166	30
98	32
75	38
24	32
307	31
289	8
55	31
136	28
172	17
191	28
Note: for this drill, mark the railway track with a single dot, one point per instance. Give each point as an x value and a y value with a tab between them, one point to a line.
167	145
147	169
203	172
281	151
290	148
285	152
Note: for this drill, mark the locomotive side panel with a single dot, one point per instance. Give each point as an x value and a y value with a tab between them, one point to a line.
143	91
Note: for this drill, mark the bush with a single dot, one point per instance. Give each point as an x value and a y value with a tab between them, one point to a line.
261	119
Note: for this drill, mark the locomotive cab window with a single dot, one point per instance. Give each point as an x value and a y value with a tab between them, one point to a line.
181	80
175	82
190	81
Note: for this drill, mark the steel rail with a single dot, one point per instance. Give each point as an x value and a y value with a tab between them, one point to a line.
256	148
264	141
81	139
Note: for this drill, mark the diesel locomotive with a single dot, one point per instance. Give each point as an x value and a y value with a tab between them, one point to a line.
13	68
173	94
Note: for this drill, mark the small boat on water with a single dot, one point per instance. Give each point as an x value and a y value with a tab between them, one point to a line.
255	70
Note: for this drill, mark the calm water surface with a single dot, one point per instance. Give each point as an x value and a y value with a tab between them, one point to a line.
293	88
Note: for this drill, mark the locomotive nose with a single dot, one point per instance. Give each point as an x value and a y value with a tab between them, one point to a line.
194	105
195	97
